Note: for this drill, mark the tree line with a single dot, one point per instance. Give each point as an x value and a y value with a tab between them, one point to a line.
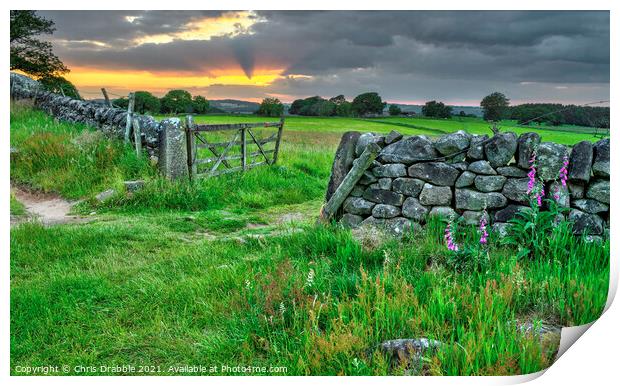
174	102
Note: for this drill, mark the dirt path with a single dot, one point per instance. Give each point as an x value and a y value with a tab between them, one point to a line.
48	208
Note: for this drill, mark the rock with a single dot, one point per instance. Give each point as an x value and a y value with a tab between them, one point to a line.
357	205
435	195
383	183
437	173
358	191
396	227
392	137
414	210
105	195
173	149
576	189
343	160
381	196
390	170
594	239
559	194
600	167
550	157
585	222
481	167
501	148
515	189
365	140
509	212
512	171
526	144
580	164
473	200
476	150
471	217
367	178
452	143
385	211
408	351
133	186
501	229
465	179
489	183
409	150
599	190
407	186
350	220
590	206
460	166
443	212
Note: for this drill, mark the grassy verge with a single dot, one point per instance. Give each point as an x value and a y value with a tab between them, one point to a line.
16	208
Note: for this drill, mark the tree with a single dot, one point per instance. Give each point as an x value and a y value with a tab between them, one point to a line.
270	107
145	102
495	106
436	109
344	109
368	103
176	101
59	85
395	110
28	54
200	104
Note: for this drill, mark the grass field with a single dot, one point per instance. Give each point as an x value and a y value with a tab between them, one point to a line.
235	271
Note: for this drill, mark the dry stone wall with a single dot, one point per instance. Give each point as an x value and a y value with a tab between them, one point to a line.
460	175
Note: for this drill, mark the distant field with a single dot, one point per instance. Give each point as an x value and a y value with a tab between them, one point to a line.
563	134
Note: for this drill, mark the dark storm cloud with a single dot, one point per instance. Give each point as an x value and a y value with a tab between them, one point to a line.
394	49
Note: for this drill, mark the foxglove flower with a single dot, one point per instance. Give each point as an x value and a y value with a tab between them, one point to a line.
450	238
483	228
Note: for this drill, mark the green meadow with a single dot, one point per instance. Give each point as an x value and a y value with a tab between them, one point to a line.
235	270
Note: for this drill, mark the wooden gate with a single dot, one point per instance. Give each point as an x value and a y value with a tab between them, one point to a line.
218	149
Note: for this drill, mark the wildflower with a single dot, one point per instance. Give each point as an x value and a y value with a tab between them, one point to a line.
310	278
247	284
450	239
564	171
483	228
282	308
540	195
532	174
387	261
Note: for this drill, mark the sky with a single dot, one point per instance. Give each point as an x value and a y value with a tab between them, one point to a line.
411	57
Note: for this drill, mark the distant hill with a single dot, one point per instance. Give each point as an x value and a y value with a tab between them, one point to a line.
417	109
234	106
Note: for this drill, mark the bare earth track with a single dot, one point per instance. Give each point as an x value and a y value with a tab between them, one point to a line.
50	209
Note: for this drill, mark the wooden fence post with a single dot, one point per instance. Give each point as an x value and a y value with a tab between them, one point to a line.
243	150
277	149
137	136
359	167
129	116
191	148
105	95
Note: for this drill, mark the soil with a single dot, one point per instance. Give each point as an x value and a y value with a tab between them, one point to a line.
49	209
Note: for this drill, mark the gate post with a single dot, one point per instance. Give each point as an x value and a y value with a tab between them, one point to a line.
191	148
172	149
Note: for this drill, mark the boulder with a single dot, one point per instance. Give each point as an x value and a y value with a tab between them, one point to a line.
580	164
550	158
350	220
385	211
515	189
512	171
396	227
599	190
489	183
501	149
473	200
381	196
481	167
414	210
453	143
409	150
443	212
559	194
509	212
365	140
435	195
473	217
367	178
133	186
585	222
600	167
465	179
437	173
392	137
526	144
460	166
343	160
576	189
590	206
407	186
382	183
105	195
357	205
400	351
501	229
358	191
476	150
390	170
